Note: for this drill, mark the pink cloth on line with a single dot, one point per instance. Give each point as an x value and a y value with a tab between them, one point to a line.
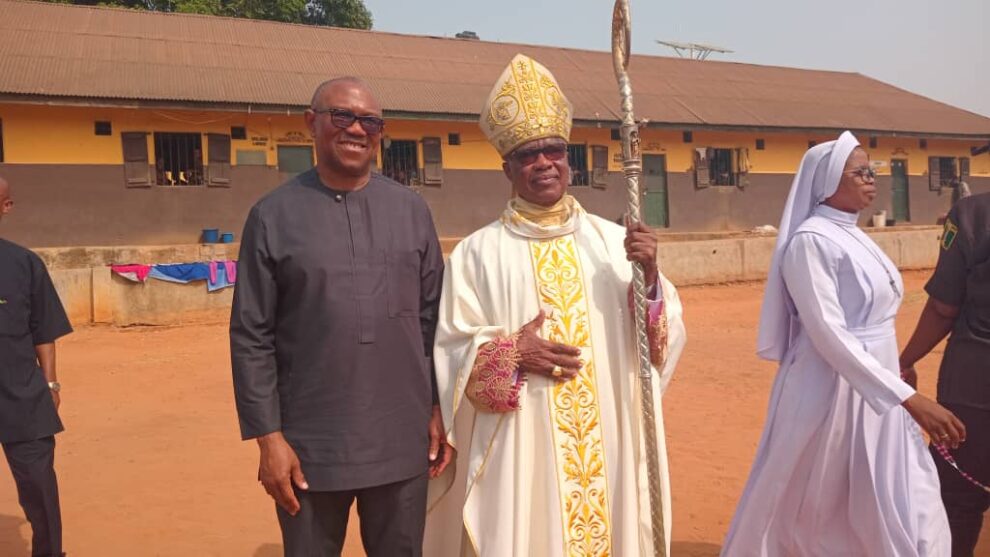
136	273
229	267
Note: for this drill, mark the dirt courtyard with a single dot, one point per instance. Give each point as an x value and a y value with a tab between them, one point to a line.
151	463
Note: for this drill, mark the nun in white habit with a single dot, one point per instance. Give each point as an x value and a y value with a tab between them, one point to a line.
842	468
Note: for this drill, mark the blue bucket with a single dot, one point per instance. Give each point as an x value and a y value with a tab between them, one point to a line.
227	238
211	235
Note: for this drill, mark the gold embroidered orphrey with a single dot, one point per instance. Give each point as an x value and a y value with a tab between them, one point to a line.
574	406
526	104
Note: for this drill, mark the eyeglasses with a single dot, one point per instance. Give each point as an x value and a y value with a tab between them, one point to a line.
553	152
864	172
343	119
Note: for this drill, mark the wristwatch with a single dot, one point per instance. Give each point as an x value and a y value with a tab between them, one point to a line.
55	386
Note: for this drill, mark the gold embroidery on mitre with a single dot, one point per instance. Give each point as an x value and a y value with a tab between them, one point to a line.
574	406
525	104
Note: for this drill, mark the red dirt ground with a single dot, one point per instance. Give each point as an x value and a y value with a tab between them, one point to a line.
151	463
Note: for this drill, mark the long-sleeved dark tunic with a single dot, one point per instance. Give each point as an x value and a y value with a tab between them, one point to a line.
332	328
30	314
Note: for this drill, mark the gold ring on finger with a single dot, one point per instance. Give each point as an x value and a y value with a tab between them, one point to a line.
557	371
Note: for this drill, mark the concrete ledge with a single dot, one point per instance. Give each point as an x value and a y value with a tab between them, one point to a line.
75	287
99	256
703	262
747	257
91	294
157	302
917	249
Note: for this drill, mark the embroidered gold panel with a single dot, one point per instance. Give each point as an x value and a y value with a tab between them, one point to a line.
577	435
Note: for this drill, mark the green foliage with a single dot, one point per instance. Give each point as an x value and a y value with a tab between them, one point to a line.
339	13
292	11
208	7
333	13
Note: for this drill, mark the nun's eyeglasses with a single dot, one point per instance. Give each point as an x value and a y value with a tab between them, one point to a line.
864	172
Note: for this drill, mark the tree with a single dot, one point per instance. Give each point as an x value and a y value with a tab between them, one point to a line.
332	13
339	13
284	10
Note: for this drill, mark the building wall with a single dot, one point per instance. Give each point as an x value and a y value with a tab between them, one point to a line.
35	134
87	205
70	188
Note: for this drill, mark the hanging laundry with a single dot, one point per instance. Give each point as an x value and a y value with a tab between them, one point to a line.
181	273
228	267
136	273
222	275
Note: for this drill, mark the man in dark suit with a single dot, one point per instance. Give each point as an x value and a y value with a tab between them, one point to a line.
31	319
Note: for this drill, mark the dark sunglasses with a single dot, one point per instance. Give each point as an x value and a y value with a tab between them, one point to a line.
553	152
864	172
343	119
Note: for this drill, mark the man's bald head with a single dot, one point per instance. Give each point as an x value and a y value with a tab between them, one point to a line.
328	85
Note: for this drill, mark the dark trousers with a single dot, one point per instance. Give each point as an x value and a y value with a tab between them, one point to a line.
32	463
964	502
393	517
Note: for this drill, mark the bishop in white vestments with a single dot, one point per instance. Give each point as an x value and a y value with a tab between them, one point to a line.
536	357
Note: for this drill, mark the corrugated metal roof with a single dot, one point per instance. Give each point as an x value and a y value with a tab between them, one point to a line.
115	54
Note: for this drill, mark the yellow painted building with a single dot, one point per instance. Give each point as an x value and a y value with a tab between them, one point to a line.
40	134
125	144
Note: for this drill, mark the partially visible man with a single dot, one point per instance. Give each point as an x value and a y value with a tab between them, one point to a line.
331	334
959	302
537	361
31	319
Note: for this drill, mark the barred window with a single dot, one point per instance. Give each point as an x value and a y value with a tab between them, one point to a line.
715	166
577	158
947	168
399	161
178	159
946	172
720	169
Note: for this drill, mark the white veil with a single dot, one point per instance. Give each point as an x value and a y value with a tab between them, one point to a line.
816	180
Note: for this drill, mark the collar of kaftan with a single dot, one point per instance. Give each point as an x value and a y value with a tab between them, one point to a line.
533	221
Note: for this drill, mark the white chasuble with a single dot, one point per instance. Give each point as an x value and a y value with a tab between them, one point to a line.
565	474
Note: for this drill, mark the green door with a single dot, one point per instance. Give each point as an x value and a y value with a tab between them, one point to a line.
655	191
898	173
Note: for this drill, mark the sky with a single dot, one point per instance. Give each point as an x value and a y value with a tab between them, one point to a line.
936	48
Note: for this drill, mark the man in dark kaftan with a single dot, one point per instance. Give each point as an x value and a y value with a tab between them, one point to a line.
331	334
